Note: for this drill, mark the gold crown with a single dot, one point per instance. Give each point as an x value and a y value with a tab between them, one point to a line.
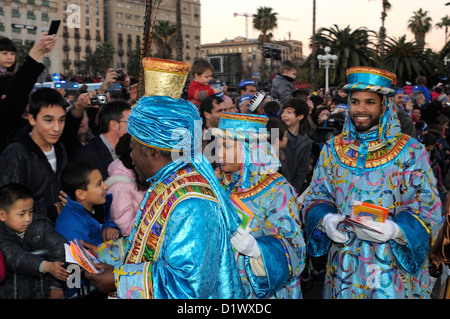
165	77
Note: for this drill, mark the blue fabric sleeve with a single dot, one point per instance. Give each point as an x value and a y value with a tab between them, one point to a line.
275	264
317	242
412	255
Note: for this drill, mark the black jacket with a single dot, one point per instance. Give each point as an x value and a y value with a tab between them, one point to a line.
296	162
96	153
14	104
24	162
19	260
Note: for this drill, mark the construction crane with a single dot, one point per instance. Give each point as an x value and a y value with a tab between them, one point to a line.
247	15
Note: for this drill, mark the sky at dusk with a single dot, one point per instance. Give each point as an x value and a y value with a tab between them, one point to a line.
219	22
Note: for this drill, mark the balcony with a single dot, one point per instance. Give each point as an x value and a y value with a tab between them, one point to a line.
77	62
66	47
77	48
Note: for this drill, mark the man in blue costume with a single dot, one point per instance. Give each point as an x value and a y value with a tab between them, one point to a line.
373	162
180	243
270	249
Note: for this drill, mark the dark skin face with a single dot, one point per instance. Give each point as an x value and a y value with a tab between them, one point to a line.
147	162
365	110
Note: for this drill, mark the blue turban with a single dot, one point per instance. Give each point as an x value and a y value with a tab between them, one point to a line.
167	124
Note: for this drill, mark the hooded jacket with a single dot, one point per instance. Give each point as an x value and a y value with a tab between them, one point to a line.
127	197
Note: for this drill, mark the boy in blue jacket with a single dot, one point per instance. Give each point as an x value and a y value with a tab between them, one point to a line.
84	186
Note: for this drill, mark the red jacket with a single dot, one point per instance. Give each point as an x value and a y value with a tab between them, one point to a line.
197	92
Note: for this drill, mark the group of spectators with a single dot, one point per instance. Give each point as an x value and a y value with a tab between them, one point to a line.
47	134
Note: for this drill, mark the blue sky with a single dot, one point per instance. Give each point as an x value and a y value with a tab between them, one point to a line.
218	21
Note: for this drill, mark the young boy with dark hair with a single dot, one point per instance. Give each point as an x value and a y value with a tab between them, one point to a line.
23	234
199	88
84	186
35	158
282	83
295	113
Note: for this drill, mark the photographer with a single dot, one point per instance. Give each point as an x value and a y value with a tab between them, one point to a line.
116	76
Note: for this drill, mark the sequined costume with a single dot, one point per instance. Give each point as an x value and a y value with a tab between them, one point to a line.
179	246
389	169
276	223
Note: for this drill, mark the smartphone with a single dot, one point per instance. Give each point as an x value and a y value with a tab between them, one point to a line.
54	27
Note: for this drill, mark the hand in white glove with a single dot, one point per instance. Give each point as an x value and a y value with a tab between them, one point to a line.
245	243
388	231
330	223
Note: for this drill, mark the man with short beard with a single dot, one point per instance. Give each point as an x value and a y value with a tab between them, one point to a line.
372	161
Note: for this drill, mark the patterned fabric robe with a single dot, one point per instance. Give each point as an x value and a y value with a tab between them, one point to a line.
276	227
389	169
179	246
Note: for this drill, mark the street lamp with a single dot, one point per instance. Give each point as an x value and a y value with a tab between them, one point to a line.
326	61
446	59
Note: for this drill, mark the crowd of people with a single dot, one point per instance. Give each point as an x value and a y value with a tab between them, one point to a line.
251	204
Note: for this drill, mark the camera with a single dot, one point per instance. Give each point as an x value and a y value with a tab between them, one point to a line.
120	75
99	99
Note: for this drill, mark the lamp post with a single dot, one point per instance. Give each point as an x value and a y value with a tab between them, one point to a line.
326	61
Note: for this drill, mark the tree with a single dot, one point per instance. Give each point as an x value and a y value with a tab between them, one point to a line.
406	59
420	25
353	48
265	21
105	55
164	38
179	36
444	24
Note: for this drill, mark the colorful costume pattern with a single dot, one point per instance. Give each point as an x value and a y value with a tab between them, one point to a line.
276	224
167	254
388	169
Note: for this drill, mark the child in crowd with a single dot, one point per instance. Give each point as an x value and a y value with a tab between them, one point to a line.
295	113
282	83
35	158
7	55
84	186
199	88
125	186
23	234
272	109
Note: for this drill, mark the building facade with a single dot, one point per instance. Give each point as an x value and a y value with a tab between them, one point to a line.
88	23
257	62
124	20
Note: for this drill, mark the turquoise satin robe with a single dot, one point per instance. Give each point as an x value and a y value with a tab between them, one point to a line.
195	259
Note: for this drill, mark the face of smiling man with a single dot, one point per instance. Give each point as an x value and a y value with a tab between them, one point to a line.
365	110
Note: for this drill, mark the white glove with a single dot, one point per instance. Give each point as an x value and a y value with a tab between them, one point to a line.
389	230
330	223
245	243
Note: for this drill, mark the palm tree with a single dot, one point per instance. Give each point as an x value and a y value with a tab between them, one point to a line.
406	59
179	36
105	54
420	25
444	24
353	48
265	21
164	38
